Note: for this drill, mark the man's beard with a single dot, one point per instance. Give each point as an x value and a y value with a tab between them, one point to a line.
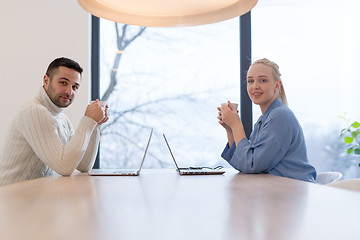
62	104
57	99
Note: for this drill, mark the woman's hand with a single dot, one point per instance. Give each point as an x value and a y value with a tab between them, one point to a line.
228	116
230	120
221	122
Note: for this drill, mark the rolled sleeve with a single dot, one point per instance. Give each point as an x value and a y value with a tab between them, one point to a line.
228	152
266	151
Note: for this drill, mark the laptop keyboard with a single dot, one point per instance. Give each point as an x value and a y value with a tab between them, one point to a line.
125	172
199	171
192	170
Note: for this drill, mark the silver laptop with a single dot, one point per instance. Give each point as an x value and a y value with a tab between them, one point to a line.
194	170
121	172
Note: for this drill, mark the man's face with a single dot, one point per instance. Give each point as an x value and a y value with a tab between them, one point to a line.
63	86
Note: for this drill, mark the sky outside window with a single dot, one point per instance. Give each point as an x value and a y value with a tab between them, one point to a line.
171	79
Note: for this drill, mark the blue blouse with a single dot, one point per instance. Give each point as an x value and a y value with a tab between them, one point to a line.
276	146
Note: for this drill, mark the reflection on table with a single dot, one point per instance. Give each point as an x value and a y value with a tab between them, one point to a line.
160	204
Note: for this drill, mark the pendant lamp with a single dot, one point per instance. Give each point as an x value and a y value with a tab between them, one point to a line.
167	13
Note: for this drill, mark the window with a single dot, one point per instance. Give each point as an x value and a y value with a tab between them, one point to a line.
315	43
171	79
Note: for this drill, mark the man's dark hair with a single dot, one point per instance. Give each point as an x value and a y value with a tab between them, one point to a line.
62	62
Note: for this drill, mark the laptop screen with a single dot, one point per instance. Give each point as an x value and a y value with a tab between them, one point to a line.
171	152
147	146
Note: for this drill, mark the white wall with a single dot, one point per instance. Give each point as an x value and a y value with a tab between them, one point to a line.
33	33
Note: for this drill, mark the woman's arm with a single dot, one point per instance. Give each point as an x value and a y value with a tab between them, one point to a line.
270	147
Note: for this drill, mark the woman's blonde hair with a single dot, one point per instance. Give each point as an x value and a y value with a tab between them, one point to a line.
276	74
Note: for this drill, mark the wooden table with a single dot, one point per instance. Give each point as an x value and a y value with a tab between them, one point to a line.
160	204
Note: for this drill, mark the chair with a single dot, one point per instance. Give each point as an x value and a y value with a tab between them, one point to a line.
349	184
328	177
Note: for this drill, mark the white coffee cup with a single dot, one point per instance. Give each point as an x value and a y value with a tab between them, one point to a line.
102	104
235	105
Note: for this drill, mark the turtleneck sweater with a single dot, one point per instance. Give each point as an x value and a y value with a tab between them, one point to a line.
41	140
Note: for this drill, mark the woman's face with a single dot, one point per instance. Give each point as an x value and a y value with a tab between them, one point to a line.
261	85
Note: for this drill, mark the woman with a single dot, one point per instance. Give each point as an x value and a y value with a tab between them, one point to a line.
277	145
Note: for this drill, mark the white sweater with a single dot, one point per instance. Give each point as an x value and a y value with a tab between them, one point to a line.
41	140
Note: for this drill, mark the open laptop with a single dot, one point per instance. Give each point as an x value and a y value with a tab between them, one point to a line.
194	170
121	172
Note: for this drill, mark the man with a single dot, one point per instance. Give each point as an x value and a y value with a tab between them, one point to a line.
41	138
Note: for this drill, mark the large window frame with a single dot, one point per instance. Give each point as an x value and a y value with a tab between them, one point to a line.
245	62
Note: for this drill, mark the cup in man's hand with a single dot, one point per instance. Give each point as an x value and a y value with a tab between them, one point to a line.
102	104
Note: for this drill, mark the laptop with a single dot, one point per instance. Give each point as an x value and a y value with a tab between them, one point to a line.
121	172
194	170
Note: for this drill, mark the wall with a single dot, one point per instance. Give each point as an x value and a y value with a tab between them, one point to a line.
33	33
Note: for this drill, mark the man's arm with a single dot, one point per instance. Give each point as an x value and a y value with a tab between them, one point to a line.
87	162
41	131
88	159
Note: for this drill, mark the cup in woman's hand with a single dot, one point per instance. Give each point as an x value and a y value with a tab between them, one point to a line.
235	105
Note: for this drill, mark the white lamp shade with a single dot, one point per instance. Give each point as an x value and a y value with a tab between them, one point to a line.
167	13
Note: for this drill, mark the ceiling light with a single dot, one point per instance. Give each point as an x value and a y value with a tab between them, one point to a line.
167	13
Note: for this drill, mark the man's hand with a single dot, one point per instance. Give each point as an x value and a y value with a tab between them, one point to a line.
97	112
106	118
